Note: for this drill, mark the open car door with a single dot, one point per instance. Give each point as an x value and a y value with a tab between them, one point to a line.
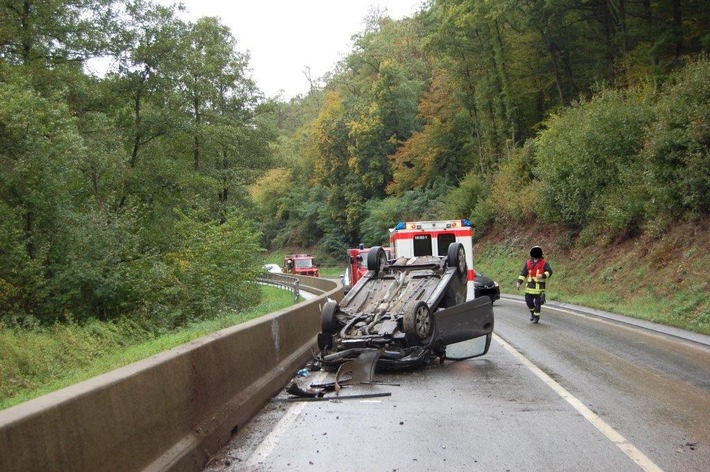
468	320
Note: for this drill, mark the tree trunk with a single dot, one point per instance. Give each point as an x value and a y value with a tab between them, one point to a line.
197	143
678	27
558	78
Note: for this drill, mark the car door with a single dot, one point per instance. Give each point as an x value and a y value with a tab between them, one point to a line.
464	321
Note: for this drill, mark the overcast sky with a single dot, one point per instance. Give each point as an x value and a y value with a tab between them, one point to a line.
284	37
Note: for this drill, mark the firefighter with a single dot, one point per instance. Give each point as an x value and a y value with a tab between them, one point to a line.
535	272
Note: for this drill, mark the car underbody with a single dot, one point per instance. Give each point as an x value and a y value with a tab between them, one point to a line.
408	309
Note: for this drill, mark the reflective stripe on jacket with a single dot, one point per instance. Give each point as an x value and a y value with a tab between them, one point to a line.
534	274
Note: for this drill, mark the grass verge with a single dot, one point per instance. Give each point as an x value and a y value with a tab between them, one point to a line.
38	362
658	279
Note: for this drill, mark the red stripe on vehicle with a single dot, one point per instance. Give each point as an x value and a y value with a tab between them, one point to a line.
410	234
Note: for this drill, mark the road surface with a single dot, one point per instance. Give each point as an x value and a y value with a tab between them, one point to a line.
577	392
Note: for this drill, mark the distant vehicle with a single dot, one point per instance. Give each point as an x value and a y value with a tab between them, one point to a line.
356	266
484	286
301	264
273	268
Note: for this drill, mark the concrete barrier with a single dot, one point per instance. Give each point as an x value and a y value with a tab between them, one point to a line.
170	412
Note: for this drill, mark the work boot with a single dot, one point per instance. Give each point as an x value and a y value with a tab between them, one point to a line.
532	316
535	319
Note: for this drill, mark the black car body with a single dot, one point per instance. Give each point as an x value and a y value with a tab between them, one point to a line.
484	286
411	309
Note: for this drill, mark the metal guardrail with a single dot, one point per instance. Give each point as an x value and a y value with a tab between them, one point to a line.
292	284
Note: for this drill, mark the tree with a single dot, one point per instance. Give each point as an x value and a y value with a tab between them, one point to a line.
330	137
583	160
39	148
50	32
676	151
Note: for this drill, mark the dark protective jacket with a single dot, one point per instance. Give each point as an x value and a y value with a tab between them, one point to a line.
534	274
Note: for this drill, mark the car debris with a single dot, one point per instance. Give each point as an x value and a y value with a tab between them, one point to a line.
356	371
359	396
359	370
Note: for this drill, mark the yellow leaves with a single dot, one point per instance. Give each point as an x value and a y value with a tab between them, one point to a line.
408	165
270	185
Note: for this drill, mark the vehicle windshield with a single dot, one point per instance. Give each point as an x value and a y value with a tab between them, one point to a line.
303	263
362	260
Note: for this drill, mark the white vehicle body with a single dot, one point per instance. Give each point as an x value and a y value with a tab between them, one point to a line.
432	238
272	268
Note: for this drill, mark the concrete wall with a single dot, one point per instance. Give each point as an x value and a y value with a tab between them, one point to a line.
169	412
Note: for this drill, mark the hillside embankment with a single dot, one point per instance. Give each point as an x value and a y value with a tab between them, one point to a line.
664	278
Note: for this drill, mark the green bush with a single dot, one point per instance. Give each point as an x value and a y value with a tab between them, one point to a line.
677	151
583	160
216	266
461	201
513	193
381	215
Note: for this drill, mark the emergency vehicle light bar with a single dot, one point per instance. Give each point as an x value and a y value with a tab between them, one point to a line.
433	224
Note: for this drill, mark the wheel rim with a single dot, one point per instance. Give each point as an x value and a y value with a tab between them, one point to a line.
422	321
462	260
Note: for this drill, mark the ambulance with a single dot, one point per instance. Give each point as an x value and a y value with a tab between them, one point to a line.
432	238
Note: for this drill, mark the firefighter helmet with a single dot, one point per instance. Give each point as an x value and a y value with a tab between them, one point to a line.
536	252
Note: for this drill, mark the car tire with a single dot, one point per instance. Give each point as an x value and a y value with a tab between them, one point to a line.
418	323
456	257
376	258
328	322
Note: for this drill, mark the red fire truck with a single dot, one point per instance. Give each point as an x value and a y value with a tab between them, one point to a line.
356	265
301	264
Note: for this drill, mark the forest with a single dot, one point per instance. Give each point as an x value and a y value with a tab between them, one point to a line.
151	191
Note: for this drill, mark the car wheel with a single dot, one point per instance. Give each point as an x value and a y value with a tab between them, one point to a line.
328	323
418	323
456	257
376	258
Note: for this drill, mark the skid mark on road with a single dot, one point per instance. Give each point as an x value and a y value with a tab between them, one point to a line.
629	449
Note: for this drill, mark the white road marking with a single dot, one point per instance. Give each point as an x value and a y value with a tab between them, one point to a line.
629	449
281	428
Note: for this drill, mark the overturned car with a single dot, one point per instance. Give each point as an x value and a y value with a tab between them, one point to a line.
410	309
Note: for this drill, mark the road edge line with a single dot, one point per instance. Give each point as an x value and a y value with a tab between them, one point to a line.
626	447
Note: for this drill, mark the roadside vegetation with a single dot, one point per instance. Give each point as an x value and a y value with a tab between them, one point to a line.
45	359
655	279
142	200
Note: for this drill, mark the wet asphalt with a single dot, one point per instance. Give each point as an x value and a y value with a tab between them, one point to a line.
583	390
